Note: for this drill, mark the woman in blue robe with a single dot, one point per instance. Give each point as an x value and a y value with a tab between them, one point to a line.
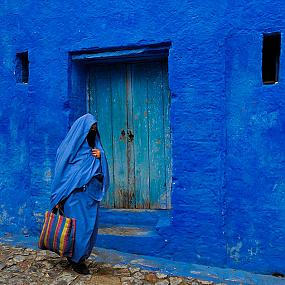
81	178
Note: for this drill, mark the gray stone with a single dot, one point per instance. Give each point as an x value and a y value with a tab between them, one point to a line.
120	266
160	275
194	282
175	280
82	280
79	282
138	275
39	258
42	253
47	264
162	282
133	269
18	258
137	282
51	254
206	282
127	279
64	279
30	250
122	272
13	268
10	262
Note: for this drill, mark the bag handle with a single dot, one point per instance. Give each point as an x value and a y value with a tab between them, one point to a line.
59	210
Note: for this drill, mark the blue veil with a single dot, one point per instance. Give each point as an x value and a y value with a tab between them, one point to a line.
75	166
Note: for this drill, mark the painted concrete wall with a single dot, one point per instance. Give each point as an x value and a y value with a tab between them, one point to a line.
228	206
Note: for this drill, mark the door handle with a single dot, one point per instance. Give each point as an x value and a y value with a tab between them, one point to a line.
130	136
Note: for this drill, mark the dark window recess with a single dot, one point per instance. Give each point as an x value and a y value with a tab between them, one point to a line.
271	58
22	67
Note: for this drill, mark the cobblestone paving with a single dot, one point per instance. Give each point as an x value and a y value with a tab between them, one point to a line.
26	266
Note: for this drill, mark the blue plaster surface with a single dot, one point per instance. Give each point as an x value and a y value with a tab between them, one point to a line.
228	202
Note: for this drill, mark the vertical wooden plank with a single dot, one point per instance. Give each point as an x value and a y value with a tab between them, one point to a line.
140	125
158	197
131	139
119	123
167	131
102	103
91	92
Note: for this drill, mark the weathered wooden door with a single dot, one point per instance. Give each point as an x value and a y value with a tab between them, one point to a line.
131	102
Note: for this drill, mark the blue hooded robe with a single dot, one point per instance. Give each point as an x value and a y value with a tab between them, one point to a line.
80	181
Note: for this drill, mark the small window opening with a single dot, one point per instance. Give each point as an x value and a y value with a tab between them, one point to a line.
22	67
271	58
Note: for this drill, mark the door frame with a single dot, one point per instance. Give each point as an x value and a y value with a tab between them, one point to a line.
80	62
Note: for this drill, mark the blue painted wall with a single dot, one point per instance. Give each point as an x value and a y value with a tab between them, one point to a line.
228	205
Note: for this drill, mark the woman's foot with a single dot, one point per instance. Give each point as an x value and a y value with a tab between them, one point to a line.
80	267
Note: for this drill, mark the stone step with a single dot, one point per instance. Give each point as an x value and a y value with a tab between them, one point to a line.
125	231
137	240
139	231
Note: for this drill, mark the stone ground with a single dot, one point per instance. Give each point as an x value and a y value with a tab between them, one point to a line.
26	266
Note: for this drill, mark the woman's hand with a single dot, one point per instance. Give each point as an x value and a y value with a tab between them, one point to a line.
96	152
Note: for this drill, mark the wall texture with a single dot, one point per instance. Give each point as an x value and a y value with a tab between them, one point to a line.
228	130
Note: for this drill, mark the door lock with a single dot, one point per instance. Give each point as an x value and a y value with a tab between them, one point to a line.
130	136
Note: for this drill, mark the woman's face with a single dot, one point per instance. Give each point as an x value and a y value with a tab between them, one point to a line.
94	128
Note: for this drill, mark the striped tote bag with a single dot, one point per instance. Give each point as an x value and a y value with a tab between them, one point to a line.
58	233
